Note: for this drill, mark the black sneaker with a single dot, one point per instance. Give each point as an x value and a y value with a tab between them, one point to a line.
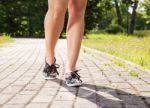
50	71
73	79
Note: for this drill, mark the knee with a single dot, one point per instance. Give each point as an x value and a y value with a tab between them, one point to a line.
56	13
77	9
76	13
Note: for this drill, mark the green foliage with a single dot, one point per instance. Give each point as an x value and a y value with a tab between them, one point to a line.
146	13
4	38
22	18
142	33
114	29
25	18
92	15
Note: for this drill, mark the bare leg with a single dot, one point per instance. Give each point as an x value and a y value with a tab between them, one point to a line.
75	30
53	24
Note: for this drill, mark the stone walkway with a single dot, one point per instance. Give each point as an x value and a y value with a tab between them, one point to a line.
107	84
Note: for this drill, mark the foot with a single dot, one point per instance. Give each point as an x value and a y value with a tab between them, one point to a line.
73	79
50	71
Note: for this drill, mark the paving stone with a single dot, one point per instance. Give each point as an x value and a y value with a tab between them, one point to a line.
32	87
147	99
42	98
3	85
87	94
37	105
47	91
4	98
109	104
135	81
67	96
20	99
107	91
108	96
126	91
142	88
12	89
28	92
131	99
121	85
52	84
13	106
135	106
146	79
62	104
145	94
69	89
85	103
22	84
116	80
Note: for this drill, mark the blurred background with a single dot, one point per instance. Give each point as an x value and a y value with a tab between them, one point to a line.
24	18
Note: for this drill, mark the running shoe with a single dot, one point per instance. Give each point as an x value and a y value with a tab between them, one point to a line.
72	79
50	71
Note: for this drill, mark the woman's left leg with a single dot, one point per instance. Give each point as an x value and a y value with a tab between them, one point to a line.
75	31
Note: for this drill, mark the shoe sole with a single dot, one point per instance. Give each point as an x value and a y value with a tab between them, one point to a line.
49	78
74	85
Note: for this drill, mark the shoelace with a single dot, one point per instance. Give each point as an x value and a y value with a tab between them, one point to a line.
52	69
74	74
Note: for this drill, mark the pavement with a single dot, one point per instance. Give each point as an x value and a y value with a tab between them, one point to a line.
107	84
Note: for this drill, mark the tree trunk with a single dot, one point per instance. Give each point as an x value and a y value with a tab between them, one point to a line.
118	13
133	17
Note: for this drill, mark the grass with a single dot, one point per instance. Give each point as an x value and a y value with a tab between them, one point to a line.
122	64
4	39
136	74
101	69
132	48
118	63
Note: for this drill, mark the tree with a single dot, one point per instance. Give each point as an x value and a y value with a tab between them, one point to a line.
133	16
118	12
146	13
93	15
25	18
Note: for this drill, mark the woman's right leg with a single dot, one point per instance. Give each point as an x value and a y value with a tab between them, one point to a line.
53	24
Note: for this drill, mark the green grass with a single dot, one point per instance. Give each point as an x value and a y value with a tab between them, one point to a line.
132	48
101	69
122	64
4	39
133	73
118	63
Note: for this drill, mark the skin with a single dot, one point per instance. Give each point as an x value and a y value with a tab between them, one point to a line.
54	22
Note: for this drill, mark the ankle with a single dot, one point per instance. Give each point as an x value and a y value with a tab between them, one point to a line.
69	68
50	61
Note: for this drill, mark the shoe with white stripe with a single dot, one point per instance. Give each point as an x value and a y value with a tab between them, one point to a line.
50	71
72	79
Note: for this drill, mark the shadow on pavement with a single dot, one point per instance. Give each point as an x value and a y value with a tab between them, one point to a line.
106	97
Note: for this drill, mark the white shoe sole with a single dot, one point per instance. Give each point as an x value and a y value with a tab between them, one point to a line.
49	78
74	85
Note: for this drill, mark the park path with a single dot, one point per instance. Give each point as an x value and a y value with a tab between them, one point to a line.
106	83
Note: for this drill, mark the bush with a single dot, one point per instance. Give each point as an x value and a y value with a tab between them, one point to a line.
114	29
142	33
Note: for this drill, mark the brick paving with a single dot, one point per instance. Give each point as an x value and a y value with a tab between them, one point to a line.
106	84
